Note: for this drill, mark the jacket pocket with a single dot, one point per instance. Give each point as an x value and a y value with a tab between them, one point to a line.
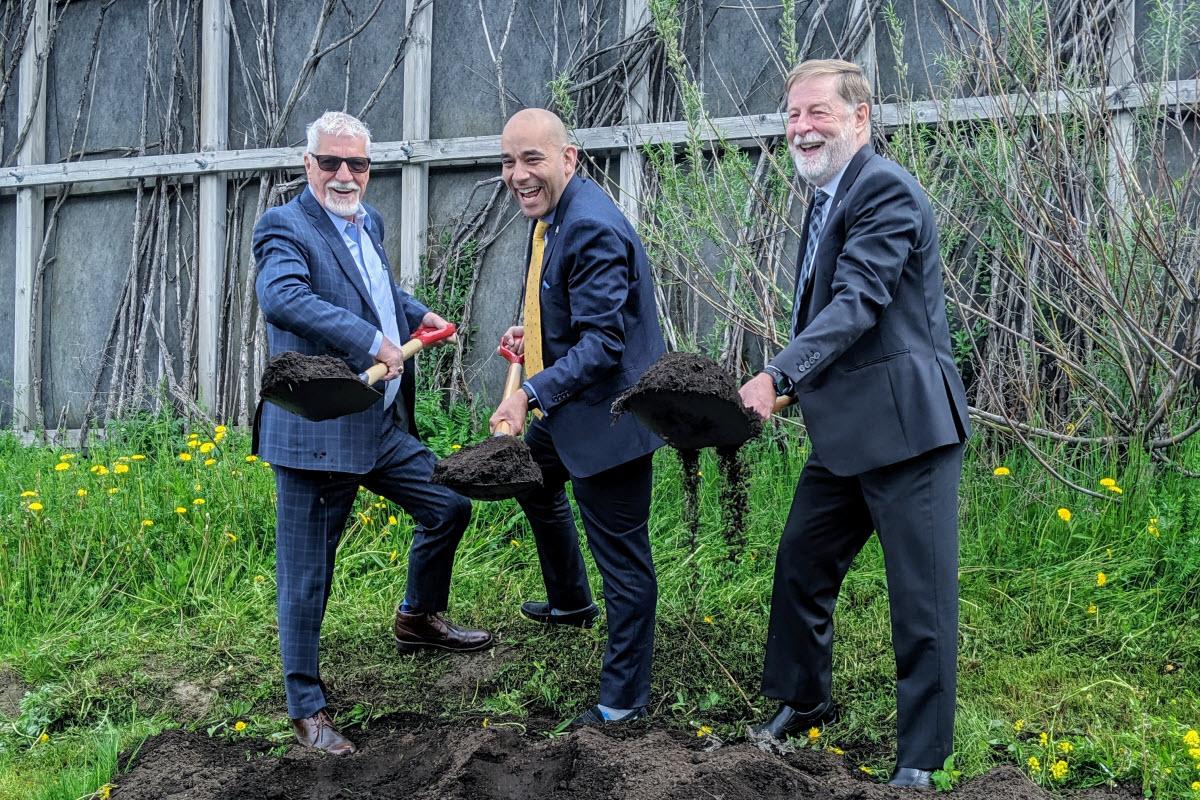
880	360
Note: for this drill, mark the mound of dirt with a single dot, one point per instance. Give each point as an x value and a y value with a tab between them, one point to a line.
496	468
405	757
289	368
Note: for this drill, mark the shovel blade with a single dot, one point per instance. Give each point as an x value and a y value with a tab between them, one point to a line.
319	399
692	420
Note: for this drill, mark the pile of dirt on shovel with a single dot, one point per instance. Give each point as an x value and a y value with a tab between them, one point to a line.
290	368
690	373
413	759
496	461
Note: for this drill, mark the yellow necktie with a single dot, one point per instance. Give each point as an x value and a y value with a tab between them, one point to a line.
533	303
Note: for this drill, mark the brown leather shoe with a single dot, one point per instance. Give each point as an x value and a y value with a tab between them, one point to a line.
318	732
432	630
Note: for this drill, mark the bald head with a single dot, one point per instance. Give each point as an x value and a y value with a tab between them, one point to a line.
537	160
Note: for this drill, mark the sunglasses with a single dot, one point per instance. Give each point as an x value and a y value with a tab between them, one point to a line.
357	164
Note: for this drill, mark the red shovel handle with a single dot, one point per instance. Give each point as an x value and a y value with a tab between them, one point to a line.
426	335
510	356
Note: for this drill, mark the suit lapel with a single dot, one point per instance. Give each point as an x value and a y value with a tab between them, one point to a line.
333	238
857	162
572	189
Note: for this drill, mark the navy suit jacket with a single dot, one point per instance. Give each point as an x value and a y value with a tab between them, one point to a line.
599	331
315	302
870	358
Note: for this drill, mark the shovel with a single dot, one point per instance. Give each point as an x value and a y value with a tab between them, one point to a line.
496	468
325	396
692	420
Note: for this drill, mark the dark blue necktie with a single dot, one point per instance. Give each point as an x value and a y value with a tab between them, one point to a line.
815	222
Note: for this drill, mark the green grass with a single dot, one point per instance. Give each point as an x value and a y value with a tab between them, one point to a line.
112	625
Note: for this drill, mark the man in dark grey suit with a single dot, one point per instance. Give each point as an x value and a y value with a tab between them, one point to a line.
325	288
870	366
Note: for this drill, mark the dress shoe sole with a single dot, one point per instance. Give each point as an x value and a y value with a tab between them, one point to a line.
557	619
407	648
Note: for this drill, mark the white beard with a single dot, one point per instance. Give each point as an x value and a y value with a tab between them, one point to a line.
819	169
337	204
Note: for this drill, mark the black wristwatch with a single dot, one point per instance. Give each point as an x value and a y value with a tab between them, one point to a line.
783	384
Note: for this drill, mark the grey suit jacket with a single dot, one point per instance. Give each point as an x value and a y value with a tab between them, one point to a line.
870	357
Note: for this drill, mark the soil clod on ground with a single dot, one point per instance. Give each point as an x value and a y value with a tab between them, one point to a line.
410	758
499	467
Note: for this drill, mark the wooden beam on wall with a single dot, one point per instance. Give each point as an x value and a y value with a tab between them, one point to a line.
637	101
214	125
414	178
30	225
472	150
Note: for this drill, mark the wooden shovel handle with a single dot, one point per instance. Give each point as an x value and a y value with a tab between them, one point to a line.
421	337
781	402
512	382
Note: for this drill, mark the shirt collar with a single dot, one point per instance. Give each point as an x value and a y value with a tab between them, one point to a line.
361	218
830	188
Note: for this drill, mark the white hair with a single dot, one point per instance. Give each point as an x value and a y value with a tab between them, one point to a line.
337	123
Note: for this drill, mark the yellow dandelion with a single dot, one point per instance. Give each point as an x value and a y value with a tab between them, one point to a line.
147	523
1154	520
230	536
104	792
392	555
29	493
1152	530
1064	514
1195	754
66	456
1101	579
35	507
1019	725
193	444
704	730
208	462
1191	738
391	519
199	501
207	447
123	458
708	619
137	457
514	542
1116	490
62	466
1000	472
239	726
81	492
1196	786
220	429
113	490
363	518
45	737
865	769
260	578
700	473
1034	763
1059	770
1106	482
121	469
251	459
837	751
1091	609
180	510
185	456
486	722
814	734
1065	747
218	437
456	447
1043	738
196	487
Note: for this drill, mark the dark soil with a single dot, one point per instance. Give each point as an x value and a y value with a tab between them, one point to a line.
288	369
689	460
12	690
735	501
412	758
496	468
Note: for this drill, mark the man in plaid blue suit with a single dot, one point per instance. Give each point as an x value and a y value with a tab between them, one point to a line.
325	288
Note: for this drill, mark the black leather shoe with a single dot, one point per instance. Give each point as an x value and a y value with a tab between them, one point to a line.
911	778
541	612
788	721
594	717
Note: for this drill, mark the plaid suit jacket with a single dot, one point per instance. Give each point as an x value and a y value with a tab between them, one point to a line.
315	302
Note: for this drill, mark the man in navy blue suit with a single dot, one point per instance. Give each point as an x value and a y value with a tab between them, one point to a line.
325	288
870	365
590	330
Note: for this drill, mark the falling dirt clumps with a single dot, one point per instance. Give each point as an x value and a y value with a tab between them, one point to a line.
290	368
689	460
411	758
735	501
496	468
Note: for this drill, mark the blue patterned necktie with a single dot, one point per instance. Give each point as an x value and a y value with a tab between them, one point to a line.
815	222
